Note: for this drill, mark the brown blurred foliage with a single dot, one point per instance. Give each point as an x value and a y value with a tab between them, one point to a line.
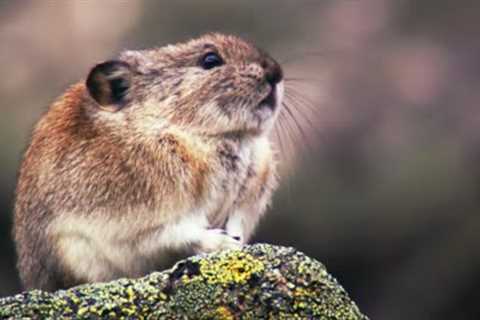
383	183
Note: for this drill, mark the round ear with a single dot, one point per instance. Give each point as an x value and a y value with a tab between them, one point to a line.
108	83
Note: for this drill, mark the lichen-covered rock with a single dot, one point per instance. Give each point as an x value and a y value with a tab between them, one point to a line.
257	282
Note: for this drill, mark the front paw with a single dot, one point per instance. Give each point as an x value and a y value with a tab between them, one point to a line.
216	240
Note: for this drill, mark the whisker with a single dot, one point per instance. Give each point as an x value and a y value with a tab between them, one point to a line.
313	114
300	128
297	127
293	137
286	126
297	108
305	101
317	133
297	79
308	112
294	91
301	103
292	117
280	142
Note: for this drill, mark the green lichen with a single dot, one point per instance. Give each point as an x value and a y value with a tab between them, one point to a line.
257	282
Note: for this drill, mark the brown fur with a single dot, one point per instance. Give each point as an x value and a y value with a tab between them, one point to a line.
185	139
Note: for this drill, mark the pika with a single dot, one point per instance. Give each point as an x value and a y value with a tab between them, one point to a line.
158	152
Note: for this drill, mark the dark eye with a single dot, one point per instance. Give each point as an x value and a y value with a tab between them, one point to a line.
210	60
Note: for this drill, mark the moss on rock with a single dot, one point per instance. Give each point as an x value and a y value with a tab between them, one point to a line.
257	282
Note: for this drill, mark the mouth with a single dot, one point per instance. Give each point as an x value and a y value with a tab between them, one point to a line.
270	101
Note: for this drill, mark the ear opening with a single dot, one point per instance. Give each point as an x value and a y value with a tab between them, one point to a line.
108	84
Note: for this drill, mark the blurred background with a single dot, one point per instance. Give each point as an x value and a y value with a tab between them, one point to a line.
382	186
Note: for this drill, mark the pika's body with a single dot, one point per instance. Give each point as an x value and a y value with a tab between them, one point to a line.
161	151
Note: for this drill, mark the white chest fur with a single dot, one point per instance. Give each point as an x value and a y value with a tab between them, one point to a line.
101	246
228	182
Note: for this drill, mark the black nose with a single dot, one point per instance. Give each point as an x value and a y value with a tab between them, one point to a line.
273	71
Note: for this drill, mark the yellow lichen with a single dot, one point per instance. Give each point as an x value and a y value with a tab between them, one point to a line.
302	292
162	296
82	311
231	267
73	297
130	310
223	313
130	293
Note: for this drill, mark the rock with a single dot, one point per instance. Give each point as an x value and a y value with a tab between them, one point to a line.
260	281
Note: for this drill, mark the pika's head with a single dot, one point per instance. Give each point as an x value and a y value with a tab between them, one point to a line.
215	85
